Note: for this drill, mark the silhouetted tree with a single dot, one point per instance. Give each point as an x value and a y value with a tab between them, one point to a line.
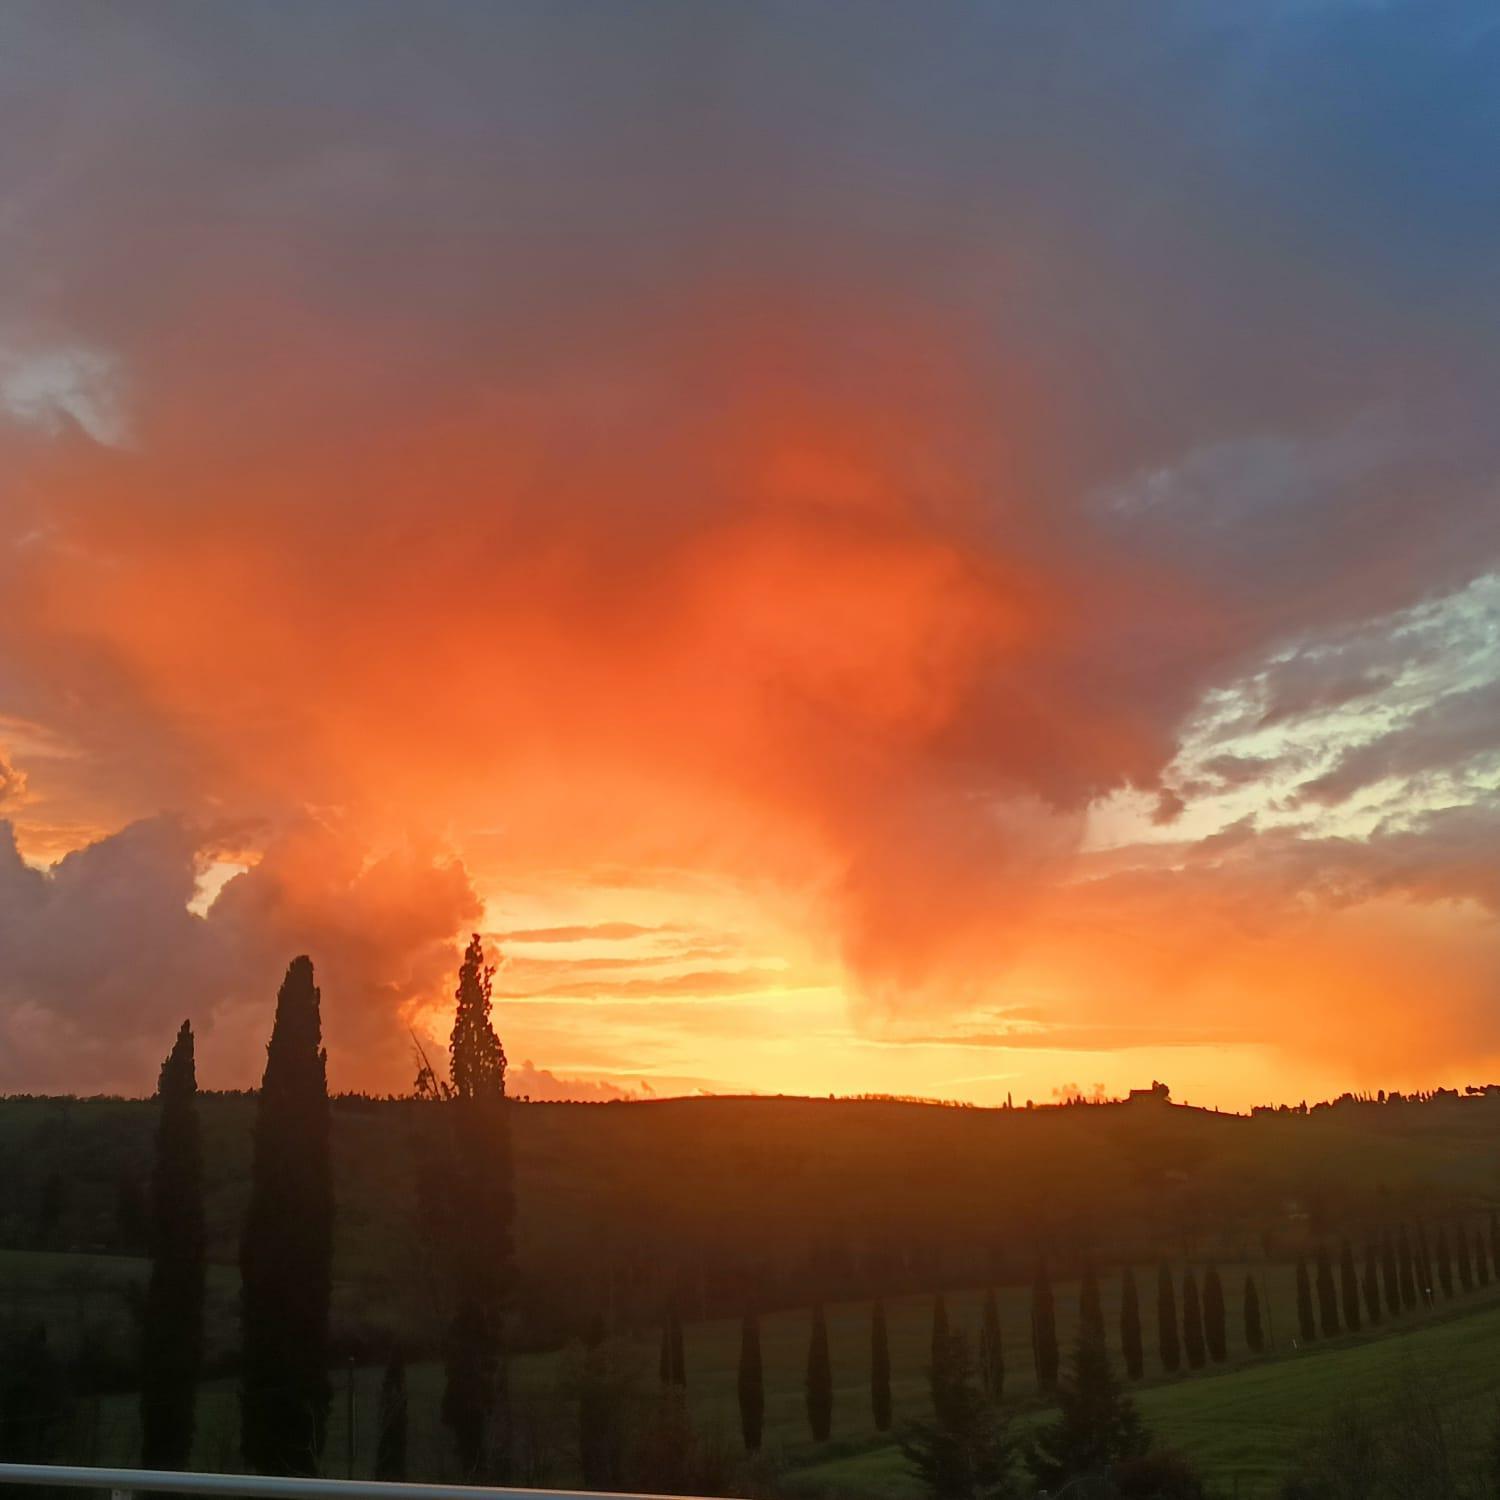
1130	1326
1043	1329
1213	1316
752	1383
1481	1260
1167	1344
1097	1423
1090	1308
819	1379
607	1398
1370	1283
1495	1241
939	1329
1444	1264
1328	1301
286	1252
390	1443
1192	1321
1255	1338
1407	1270
1390	1277
1306	1326
1348	1288
1465	1265
172	1328
880	1369
477	1232
673	1363
964	1452
1423	1258
991	1350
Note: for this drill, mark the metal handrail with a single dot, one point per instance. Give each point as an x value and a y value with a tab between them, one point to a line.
275	1486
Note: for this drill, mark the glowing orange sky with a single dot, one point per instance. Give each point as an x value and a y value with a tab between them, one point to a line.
822	657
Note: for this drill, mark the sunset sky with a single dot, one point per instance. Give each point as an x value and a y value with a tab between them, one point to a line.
938	549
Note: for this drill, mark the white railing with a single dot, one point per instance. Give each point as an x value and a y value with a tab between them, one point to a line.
123	1482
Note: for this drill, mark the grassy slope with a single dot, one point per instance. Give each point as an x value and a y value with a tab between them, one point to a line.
1244	1425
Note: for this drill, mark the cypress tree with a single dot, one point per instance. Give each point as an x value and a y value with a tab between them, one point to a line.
1407	1270
1465	1265
1097	1425
1192	1321
1090	1308
390	1447
965	1450
1495	1241
1328	1301
752	1384
172	1328
1481	1260
1305	1324
286	1251
991	1350
1423	1259
672	1365
1255	1338
1168	1347
1130	1326
880	1369
480	1209
819	1379
1214	1333
939	1329
1390	1280
1371	1283
1349	1287
1444	1264
1043	1329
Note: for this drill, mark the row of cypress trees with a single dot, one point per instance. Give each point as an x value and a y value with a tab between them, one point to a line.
286	1247
1194	1337
1397	1276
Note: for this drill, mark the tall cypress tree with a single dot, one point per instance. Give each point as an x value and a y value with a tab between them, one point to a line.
819	1379
1130	1326
1423	1258
1255	1338
939	1330
1481	1260
390	1443
991	1350
1407	1270
1348	1287
1495	1242
1192	1321
880	1369
1444	1263
1097	1426
478	1234
286	1251
1465	1265
172	1329
1168	1346
1090	1308
752	1383
672	1363
1214	1332
1371	1283
1390	1277
1043	1329
1306	1326
1328	1301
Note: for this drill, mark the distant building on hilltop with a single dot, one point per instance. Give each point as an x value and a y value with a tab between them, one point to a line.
1158	1093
